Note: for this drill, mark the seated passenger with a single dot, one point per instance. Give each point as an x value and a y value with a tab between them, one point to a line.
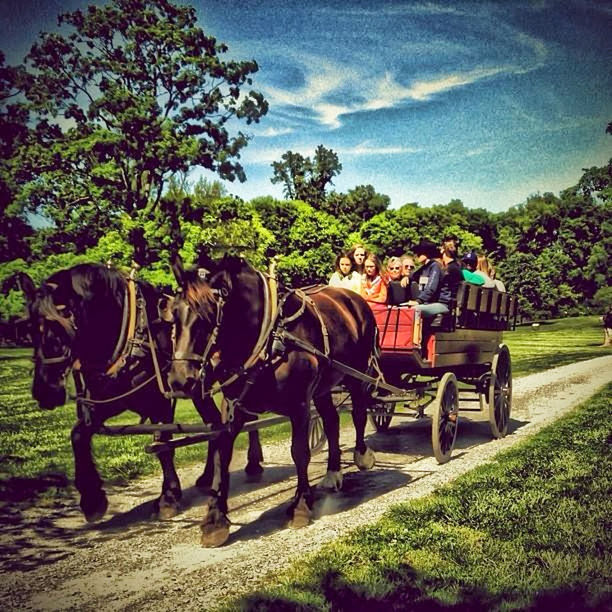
429	279
468	271
486	270
344	275
408	268
357	254
373	286
397	293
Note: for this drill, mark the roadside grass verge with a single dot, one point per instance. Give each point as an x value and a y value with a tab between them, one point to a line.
35	450
530	530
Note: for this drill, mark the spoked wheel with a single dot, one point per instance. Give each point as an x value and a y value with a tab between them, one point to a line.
500	392
445	418
316	434
382	421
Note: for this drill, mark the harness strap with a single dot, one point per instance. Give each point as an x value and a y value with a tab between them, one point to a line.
130	298
324	332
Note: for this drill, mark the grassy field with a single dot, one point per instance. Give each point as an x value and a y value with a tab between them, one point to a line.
529	531
35	451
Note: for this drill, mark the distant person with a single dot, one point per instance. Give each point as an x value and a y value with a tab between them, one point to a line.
373	285
358	254
344	275
470	261
607	323
396	292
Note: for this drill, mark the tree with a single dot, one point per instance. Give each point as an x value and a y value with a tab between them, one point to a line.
305	179
136	94
355	207
14	228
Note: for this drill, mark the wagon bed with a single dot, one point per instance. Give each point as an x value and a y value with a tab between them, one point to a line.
457	357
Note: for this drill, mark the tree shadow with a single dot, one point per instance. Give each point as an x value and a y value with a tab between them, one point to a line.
410	591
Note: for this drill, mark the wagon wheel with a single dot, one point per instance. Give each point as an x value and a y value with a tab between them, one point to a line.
382	421
500	392
316	434
445	418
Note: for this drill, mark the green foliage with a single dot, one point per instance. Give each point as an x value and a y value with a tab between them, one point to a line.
603	298
133	95
355	207
314	239
305	179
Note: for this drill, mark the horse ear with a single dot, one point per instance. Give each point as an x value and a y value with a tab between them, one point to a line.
178	269
205	261
164	308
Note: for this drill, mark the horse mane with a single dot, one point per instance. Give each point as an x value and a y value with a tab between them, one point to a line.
46	308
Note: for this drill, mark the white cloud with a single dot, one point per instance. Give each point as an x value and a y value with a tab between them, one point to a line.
271	132
367	149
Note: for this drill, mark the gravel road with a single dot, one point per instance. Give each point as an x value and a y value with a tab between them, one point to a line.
52	560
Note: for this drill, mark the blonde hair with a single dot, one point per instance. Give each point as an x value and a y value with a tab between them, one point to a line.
393	260
483	265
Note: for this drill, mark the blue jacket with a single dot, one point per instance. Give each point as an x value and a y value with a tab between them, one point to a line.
429	278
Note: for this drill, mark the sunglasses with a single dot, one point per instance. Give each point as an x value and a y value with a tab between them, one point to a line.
409	267
394	268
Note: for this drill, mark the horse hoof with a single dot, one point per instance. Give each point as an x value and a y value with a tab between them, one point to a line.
214	535
167	511
365	461
332	481
94	514
301	515
254	472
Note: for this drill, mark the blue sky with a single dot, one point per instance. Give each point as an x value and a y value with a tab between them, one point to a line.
487	102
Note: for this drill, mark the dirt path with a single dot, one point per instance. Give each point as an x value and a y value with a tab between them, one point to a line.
51	560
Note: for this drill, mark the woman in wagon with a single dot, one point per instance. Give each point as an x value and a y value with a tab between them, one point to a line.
486	271
397	292
429	280
358	255
344	275
373	285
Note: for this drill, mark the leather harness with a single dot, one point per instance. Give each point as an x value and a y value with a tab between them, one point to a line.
268	350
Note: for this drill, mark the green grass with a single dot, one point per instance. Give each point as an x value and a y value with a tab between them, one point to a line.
531	530
555	343
35	451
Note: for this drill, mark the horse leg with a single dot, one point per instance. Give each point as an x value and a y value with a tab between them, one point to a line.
215	524
300	509
363	456
209	413
331	425
253	468
167	505
86	478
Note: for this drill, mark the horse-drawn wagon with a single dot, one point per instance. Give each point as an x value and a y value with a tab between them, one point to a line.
458	357
267	350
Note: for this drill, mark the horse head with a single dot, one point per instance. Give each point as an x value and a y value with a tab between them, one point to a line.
196	310
53	328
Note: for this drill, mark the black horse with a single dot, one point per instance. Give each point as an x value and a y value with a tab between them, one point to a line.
232	330
108	328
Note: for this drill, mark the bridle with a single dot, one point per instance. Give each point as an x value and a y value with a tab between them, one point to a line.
221	295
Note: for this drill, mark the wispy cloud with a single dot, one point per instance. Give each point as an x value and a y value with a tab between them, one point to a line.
366	148
384	93
272	132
